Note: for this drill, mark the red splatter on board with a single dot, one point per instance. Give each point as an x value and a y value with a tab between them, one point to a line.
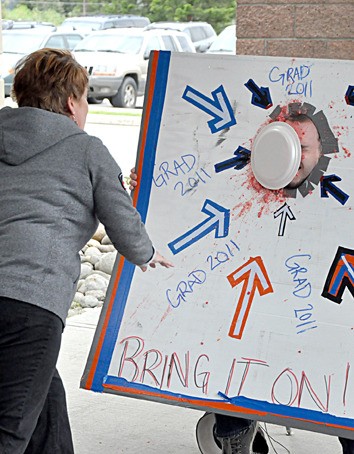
255	194
347	153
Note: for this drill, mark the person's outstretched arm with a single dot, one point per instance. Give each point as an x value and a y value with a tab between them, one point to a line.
114	208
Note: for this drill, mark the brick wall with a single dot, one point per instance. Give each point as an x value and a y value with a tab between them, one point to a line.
296	28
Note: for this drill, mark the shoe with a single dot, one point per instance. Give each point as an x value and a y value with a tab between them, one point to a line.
241	443
260	445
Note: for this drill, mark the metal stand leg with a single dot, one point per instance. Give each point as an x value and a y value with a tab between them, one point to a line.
289	431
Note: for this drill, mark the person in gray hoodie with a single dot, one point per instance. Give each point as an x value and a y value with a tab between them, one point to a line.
56	184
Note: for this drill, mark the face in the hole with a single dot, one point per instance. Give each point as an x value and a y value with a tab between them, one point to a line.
310	149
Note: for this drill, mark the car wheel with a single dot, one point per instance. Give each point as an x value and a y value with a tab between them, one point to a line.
94	100
126	96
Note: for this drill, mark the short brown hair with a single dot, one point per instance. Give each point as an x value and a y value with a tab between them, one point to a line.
46	79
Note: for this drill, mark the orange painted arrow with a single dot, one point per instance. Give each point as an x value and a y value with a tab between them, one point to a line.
254	276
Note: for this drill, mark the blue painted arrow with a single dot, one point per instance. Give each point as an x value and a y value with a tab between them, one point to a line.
218	220
349	96
241	159
219	107
340	276
260	95
327	186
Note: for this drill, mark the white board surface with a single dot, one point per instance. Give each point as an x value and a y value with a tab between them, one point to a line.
257	316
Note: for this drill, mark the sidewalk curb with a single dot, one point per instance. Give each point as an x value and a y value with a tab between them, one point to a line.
100	117
121	120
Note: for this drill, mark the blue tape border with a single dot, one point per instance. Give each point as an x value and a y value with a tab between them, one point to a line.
123	288
240	402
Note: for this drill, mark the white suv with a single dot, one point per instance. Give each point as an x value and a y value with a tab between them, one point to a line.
117	61
88	24
225	42
201	34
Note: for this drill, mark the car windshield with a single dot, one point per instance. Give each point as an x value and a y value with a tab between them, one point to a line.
21	43
125	44
226	41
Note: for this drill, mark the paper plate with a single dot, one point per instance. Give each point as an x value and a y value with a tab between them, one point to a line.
276	155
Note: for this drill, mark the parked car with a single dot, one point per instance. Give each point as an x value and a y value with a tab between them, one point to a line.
88	24
225	42
20	42
117	60
14	25
201	34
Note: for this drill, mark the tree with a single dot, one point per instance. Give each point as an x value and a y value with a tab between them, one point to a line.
156	10
197	10
23	12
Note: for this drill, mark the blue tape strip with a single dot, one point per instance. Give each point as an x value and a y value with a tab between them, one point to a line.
153	133
142	206
242	402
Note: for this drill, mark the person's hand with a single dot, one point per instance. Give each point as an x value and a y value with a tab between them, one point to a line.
133	179
157	259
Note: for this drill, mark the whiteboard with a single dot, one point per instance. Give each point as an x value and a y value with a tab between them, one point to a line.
256	319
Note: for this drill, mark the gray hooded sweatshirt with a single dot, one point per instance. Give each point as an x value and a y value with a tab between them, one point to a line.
56	182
